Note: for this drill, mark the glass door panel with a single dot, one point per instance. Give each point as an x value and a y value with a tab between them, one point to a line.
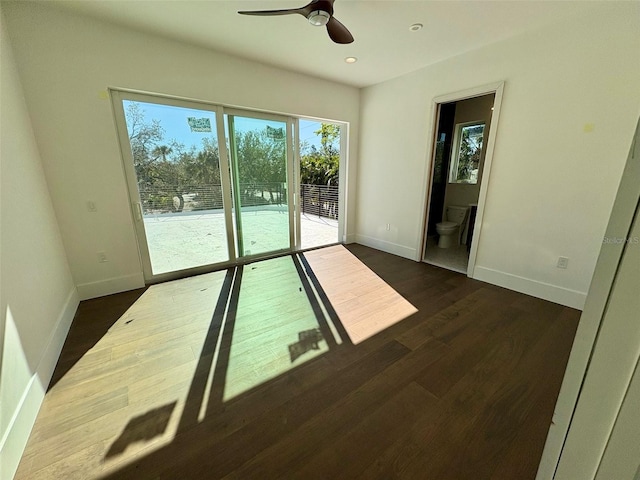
319	196
179	201
259	155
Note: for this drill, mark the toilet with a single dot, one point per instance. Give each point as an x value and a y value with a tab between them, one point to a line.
451	229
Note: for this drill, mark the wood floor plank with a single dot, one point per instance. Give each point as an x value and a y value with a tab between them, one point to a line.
468	348
525	451
462	388
385	424
486	408
338	419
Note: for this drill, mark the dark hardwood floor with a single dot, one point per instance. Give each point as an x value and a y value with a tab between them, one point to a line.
463	389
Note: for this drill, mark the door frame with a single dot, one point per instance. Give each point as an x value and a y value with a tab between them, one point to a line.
497	89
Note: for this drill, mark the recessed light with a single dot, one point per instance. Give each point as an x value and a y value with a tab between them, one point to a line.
351	59
415	27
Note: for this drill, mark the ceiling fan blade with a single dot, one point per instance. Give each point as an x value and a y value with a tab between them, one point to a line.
338	32
267	13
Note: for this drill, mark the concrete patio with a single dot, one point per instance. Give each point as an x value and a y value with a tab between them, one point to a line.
189	239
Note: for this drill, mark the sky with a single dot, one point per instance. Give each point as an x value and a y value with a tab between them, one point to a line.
175	124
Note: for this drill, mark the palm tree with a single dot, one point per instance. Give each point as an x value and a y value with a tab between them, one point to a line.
162	151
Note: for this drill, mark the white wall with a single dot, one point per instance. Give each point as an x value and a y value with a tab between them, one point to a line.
471	110
553	177
67	62
37	296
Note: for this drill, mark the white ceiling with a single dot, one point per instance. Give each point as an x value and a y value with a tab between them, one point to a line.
384	46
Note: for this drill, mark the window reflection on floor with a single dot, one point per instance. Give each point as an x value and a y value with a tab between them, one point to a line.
275	327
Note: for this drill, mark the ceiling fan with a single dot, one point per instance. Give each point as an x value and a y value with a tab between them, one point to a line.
319	13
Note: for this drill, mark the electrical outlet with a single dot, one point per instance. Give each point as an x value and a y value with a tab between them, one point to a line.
563	262
102	257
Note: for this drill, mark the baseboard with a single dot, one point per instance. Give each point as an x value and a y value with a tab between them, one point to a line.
546	291
351	238
110	286
385	246
19	428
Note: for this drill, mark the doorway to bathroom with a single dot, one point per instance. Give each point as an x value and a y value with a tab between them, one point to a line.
462	147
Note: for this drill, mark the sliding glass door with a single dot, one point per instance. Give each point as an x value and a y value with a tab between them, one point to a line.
207	185
260	156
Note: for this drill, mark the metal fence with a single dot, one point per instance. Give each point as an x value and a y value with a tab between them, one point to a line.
319	200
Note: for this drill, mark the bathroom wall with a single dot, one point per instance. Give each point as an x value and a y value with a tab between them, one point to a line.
471	110
442	156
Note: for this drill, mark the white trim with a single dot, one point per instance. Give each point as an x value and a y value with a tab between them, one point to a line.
383	245
469	93
293	187
225	181
19	427
127	171
296	177
546	291
427	181
486	178
343	181
110	286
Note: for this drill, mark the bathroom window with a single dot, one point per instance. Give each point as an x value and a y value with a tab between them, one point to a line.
465	164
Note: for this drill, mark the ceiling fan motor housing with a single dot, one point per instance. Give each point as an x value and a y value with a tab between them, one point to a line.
318	18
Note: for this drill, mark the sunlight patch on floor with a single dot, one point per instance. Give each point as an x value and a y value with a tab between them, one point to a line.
275	328
364	303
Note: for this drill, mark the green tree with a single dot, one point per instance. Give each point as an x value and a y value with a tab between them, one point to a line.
470	151
144	138
203	169
321	166
261	164
162	151
171	176
167	169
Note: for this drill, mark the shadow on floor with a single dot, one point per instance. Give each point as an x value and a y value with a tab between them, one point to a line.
83	337
143	428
